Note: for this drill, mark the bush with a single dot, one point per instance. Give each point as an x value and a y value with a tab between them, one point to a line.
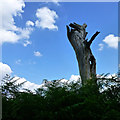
69	101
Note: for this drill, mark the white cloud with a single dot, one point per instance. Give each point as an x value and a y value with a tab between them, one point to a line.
9	9
75	78
109	76
46	18
8	36
4	69
27	85
29	23
37	53
8	30
111	41
11	33
101	47
55	1
25	33
27	43
12	37
18	61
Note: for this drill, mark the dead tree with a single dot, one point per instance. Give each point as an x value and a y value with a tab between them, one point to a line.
86	60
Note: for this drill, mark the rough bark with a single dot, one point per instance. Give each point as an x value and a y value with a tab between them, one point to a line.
86	60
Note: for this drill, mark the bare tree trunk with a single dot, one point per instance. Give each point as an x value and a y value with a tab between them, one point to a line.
86	60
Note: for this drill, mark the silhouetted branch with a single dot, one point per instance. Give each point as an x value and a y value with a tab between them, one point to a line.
68	32
75	26
92	38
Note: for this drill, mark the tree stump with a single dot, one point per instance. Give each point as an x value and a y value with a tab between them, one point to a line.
86	60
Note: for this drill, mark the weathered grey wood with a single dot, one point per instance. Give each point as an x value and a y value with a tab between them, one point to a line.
86	61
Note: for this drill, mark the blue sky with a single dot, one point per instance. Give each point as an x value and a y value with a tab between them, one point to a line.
56	58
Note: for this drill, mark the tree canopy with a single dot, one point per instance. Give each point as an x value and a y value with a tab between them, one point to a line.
69	101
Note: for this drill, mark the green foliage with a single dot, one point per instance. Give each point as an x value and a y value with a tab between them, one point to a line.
59	102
